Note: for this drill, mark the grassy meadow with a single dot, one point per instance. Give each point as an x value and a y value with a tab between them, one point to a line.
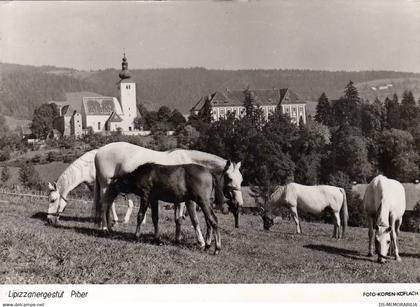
75	252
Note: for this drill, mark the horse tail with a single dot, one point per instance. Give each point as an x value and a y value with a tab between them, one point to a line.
344	214
219	197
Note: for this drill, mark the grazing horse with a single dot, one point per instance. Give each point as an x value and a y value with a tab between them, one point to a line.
80	171
176	184
384	203
120	158
311	199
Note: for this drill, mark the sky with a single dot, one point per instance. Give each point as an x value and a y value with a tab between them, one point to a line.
282	34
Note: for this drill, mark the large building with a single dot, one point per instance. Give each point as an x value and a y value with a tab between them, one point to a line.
101	114
232	101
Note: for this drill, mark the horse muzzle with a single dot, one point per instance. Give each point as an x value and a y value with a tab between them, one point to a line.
52	219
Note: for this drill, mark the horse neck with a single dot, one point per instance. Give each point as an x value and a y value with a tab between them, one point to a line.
212	162
76	173
277	196
382	214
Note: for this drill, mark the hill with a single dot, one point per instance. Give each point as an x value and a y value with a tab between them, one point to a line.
26	87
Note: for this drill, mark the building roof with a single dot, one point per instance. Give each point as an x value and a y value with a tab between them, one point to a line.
261	96
67	110
101	105
74	99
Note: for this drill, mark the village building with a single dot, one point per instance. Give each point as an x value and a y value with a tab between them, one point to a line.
232	101
100	114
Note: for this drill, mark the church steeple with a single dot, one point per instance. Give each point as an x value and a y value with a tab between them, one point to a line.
124	74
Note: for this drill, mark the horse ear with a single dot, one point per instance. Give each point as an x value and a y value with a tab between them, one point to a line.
51	186
238	165
228	164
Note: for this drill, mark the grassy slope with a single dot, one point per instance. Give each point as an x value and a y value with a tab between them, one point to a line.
74	252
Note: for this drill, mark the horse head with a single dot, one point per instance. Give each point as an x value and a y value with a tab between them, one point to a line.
57	203
382	242
268	221
232	188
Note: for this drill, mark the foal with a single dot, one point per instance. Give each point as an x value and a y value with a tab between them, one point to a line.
173	184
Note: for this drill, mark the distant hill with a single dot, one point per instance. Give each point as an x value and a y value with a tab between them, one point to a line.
387	87
26	87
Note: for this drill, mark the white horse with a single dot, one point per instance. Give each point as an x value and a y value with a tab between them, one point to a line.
80	171
311	199
384	203
117	159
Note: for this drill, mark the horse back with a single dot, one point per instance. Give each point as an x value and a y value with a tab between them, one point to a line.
314	198
384	196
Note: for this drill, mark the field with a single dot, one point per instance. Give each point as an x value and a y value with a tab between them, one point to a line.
74	252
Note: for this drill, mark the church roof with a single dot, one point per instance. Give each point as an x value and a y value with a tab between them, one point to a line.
101	105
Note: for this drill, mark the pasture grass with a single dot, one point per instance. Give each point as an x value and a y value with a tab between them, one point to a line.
75	252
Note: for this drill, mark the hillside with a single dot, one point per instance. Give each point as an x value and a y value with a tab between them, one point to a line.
26	87
74	252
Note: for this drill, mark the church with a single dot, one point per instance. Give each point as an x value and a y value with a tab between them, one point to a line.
101	114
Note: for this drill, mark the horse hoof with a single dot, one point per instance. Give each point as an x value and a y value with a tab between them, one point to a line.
206	247
398	259
158	242
216	252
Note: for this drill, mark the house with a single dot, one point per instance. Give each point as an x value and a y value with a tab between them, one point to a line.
101	114
69	121
232	101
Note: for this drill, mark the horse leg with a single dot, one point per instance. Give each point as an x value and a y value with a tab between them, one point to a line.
129	210
394	239
211	219
114	213
296	219
209	234
140	216
155	218
178	220
104	209
337	225
370	247
192	212
111	195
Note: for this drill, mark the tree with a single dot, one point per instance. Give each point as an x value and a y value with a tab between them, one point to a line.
5	174
347	108
409	112
373	119
324	111
177	119
29	177
187	137
164	114
42	122
393	113
396	152
348	154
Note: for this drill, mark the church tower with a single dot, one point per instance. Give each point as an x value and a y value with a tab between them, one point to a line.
127	97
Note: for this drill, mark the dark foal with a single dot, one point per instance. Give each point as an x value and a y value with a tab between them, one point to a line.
172	184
